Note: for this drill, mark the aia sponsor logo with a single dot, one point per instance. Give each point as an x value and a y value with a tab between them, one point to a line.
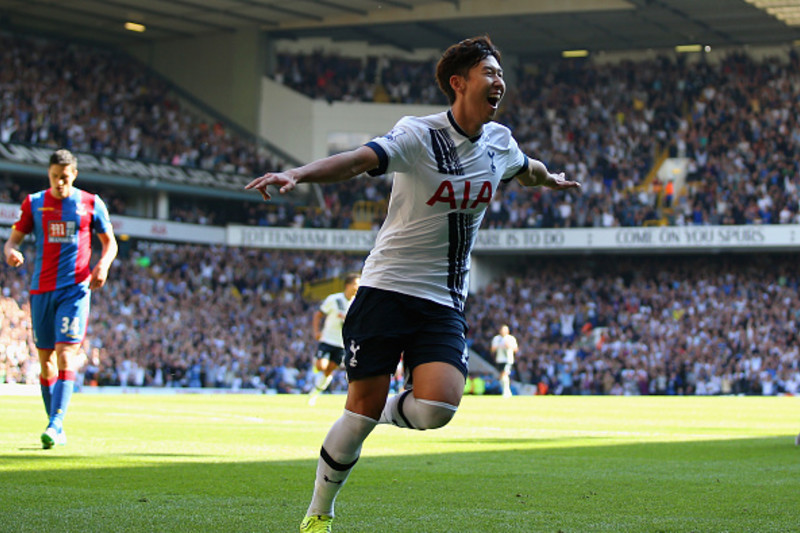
446	193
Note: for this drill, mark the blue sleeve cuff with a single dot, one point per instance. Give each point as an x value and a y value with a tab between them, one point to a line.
383	159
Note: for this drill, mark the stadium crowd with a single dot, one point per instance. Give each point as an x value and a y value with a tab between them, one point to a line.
641	325
335	78
189	316
196	316
89	100
736	121
710	325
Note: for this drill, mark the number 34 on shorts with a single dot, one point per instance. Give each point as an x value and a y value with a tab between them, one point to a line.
60	316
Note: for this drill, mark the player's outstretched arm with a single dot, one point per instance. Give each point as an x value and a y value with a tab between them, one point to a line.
339	167
538	175
100	270
11	251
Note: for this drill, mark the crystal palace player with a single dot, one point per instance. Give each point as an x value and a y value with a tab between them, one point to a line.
62	218
446	168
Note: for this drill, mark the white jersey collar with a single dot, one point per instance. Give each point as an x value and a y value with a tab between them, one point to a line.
463	133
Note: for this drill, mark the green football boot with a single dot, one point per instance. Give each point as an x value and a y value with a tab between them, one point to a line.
316	524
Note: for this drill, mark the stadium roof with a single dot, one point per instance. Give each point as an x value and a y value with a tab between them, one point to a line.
520	27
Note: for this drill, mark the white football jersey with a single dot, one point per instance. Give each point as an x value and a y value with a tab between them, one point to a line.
505	348
334	307
443	183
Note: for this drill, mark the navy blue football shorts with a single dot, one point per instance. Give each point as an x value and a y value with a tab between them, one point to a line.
332	353
381	326
504	367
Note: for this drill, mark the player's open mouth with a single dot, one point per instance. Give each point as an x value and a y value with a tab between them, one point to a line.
494	100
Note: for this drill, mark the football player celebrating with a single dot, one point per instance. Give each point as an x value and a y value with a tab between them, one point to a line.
62	218
414	283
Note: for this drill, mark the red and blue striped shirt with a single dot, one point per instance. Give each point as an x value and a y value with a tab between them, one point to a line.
63	232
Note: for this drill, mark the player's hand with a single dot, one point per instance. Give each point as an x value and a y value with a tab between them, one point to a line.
559	182
284	181
15	258
99	276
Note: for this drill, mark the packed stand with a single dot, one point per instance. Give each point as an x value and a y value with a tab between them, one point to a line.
65	95
210	210
743	141
603	124
18	362
648	325
736	122
605	325
336	78
189	316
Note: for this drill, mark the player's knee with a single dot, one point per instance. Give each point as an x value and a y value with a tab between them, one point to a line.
433	415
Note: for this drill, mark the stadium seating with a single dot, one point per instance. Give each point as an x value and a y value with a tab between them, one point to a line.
607	125
97	101
684	325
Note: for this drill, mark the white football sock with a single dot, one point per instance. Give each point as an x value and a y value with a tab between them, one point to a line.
339	453
506	381
323	381
405	411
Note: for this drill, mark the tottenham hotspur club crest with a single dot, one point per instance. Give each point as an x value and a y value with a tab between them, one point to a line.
491	161
353	349
394	134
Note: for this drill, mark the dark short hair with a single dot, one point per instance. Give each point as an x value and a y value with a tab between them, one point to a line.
459	58
350	278
64	157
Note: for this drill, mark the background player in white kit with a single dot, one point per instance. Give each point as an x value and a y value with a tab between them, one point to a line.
414	283
330	350
504	347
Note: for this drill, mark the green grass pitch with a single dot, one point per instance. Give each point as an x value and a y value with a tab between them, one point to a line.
527	464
